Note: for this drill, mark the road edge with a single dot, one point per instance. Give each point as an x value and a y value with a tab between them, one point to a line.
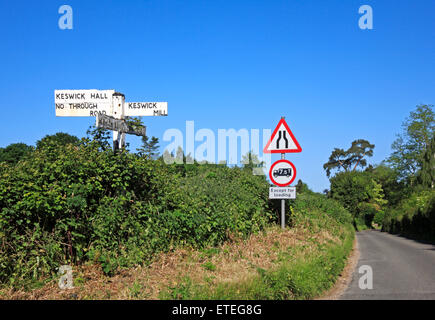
345	277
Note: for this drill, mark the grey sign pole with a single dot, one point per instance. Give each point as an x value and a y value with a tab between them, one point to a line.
283	204
282	200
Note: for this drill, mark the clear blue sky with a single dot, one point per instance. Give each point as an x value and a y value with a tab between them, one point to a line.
225	64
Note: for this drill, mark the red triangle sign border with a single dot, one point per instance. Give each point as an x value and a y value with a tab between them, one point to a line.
298	147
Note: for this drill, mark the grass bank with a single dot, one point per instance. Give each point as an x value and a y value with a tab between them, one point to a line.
300	262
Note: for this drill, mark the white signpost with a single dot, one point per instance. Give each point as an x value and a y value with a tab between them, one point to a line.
83	103
93	102
146	109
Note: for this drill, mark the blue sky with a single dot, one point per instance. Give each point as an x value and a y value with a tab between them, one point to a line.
225	64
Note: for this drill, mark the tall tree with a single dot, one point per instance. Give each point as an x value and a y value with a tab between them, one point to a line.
411	144
350	159
250	161
358	151
149	148
427	172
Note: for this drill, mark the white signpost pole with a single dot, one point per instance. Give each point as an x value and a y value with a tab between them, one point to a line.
118	113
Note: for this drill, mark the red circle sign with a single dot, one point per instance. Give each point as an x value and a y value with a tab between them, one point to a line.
282	173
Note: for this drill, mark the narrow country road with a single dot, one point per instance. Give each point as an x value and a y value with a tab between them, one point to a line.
402	268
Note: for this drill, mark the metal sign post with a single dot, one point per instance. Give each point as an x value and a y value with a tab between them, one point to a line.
282	200
282	173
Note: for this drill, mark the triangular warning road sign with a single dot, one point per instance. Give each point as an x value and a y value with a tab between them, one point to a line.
282	140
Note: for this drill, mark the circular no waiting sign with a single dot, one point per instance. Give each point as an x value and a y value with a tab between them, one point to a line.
282	173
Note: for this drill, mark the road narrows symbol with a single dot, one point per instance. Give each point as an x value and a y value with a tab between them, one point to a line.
279	139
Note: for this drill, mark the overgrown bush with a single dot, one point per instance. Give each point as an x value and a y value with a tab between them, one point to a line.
361	194
68	204
307	202
414	216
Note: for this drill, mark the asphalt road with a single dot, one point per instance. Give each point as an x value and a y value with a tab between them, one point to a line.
402	268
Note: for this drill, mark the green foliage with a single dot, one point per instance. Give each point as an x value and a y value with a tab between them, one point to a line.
209	266
393	189
379	218
251	162
410	146
307	203
57	140
351	189
14	153
426	175
149	148
100	137
414	216
360	193
78	203
302	187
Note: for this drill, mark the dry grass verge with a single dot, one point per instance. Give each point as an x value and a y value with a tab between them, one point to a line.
234	262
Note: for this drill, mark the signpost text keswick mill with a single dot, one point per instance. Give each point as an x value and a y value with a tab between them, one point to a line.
282	172
109	108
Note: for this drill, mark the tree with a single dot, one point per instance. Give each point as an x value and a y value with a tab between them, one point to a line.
15	152
179	156
57	139
394	189
251	162
134	123
167	157
410	146
359	193
360	149
302	187
352	157
351	188
149	148
427	173
99	136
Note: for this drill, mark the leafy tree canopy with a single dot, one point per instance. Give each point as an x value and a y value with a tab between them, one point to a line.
410	146
58	139
427	172
14	152
350	159
250	161
100	137
149	148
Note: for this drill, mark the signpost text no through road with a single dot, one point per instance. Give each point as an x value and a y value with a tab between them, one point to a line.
110	109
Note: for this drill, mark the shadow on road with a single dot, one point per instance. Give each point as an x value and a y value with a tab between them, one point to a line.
412	237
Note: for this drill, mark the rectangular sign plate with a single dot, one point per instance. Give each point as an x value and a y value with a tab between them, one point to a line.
282	193
146	109
120	125
83	103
